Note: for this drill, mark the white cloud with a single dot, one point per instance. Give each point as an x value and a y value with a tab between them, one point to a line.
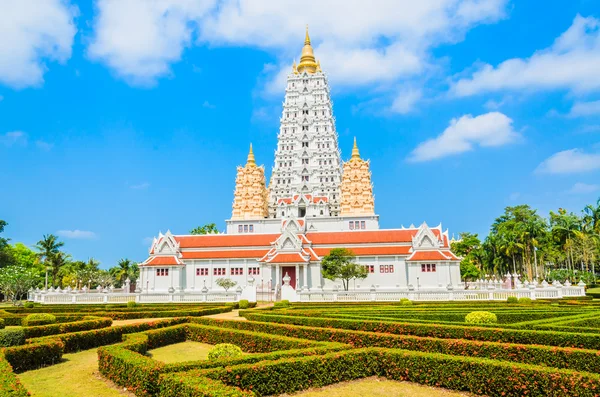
463	134
44	145
140	39
208	105
572	63
14	138
581	109
32	32
569	162
357	42
77	234
406	100
584	188
514	196
140	186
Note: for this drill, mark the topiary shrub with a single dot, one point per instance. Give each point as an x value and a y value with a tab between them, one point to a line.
244	304
405	302
526	301
38	319
512	299
481	318
282	303
28	305
132	304
224	350
12	337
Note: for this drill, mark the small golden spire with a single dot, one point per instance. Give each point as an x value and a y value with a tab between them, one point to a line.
307	38
318	66
294	67
307	59
251	160
355	152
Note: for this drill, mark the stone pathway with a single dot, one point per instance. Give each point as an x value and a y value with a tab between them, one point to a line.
232	315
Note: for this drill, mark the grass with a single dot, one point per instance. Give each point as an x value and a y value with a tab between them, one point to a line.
76	376
179	352
378	387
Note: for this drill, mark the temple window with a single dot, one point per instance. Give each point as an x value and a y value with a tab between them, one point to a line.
370	268
305	144
428	267
162	272
254	271
237	271
386	268
203	271
219	271
363	225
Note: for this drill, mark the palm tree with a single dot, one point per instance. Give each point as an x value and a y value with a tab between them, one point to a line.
47	248
122	271
564	226
591	217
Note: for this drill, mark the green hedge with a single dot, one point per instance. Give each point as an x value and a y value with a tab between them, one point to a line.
1	323
38	319
83	340
9	383
480	376
558	357
33	356
551	338
63	328
12	337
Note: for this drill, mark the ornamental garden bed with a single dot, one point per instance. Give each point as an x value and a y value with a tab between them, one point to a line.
535	350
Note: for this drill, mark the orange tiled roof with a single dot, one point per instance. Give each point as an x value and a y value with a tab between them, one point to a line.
226	240
430	256
224	254
363	251
287	258
367	236
162	261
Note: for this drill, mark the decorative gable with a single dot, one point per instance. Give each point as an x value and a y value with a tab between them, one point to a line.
425	239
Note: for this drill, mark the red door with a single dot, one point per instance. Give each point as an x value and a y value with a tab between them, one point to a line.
291	271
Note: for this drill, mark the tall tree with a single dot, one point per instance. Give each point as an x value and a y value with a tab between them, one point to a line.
48	247
209	228
339	265
6	258
125	269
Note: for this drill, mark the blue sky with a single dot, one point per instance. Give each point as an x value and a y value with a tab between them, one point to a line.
122	118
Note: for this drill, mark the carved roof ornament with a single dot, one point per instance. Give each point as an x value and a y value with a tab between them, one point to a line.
356	187
250	196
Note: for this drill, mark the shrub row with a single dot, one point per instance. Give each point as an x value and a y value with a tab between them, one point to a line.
551	338
1	323
83	340
63	328
480	376
12	337
126	365
9	383
557	357
33	356
35	319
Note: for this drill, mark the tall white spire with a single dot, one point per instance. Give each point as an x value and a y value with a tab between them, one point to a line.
307	159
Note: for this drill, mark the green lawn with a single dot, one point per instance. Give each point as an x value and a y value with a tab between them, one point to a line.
178	352
378	387
76	376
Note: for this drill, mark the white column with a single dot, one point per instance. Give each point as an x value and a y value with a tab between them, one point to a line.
305	276
297	275
277	277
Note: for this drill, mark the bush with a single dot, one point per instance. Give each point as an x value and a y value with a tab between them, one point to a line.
481	318
34	355
131	304
244	304
512	299
224	350
1	323
38	319
526	301
405	302
28	305
282	303
12	337
9	383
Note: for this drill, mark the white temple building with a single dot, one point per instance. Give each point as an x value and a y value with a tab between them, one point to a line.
313	202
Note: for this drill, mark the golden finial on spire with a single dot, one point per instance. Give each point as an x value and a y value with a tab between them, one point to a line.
251	160
355	152
307	59
307	38
294	67
318	66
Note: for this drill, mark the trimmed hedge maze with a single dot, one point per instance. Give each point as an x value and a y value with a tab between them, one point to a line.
540	349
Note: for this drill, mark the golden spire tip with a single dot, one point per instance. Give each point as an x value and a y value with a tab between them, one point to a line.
307	38
355	152
251	160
